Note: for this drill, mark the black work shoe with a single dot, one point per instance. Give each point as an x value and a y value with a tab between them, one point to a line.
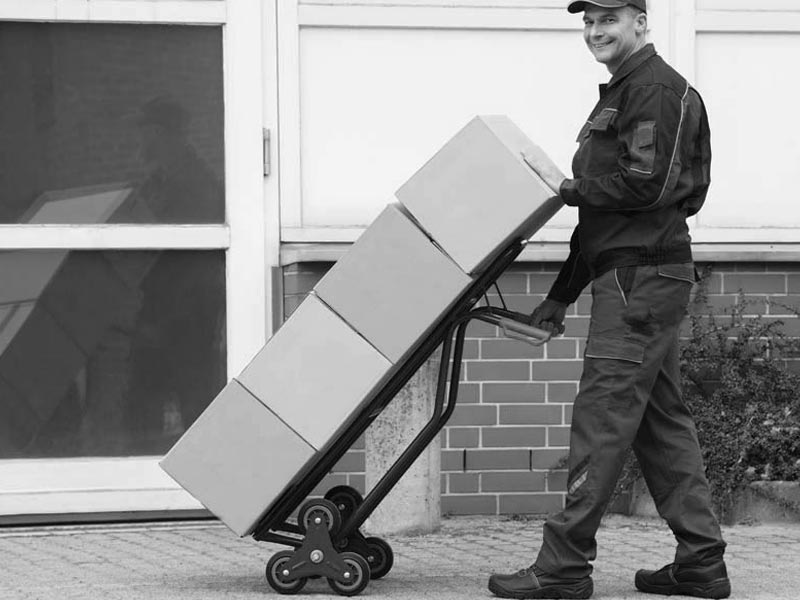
700	580
534	583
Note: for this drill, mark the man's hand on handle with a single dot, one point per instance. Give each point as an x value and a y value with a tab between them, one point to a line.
549	315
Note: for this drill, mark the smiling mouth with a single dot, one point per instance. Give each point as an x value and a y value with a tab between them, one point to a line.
600	46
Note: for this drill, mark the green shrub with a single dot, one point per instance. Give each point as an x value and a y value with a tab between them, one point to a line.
745	401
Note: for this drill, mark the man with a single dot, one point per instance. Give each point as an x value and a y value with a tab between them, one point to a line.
642	167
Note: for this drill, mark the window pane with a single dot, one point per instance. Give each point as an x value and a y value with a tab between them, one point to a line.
111	123
107	353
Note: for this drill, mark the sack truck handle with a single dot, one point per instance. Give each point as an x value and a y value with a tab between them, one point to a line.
515	326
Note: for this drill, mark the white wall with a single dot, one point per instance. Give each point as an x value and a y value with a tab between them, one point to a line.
371	90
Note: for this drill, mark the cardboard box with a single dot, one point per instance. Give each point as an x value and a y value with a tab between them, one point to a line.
477	193
315	372
237	458
393	285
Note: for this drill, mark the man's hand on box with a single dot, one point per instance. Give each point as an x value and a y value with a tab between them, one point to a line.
538	160
549	315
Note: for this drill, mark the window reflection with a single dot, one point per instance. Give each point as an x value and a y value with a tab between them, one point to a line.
107	353
137	108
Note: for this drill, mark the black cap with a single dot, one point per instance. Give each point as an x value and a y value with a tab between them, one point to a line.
579	5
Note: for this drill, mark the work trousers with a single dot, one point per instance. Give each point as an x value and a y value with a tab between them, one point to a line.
630	394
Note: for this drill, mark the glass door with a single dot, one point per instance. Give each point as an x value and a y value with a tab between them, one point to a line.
129	241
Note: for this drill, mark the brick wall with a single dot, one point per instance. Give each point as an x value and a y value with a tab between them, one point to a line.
503	449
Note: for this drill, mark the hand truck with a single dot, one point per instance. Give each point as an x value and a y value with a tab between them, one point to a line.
326	538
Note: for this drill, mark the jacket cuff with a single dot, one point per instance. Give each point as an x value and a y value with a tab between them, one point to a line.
568	190
563	295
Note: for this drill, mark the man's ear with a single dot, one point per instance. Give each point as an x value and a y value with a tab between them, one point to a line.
641	23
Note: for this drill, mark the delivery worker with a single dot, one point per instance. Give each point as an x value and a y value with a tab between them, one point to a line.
641	168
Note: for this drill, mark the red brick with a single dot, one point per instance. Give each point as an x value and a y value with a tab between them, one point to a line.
327	483
536	414
521	303
469	504
351	462
357	481
473	414
754	283
541	283
471	349
513	392
720	303
497	460
557	370
506	348
463	437
513	437
584	305
562	348
783	305
452	460
531	504
548	458
464	483
468	393
443	482
480	329
557	480
513	481
567	414
790	325
497	370
512	282
558	436
794	284
562	392
360	443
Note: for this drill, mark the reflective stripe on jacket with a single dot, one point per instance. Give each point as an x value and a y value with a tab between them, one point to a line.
642	166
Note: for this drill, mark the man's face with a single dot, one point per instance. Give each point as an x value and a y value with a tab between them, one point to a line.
613	34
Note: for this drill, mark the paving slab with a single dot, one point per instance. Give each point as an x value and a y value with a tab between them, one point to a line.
202	560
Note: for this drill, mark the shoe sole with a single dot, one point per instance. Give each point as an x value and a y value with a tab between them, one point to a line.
719	588
558	592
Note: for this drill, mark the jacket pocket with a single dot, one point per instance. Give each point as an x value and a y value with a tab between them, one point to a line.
625	277
643	147
614	348
604	119
679	271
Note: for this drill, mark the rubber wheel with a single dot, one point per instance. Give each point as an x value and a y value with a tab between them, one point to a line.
275	577
319	509
359	575
382	557
347	499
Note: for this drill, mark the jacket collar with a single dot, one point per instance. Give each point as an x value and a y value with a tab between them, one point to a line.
630	65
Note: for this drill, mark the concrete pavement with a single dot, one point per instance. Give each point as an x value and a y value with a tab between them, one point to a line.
202	560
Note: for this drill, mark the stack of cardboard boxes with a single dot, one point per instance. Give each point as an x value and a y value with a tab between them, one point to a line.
363	320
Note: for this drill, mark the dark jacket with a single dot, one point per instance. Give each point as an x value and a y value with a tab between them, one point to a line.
642	166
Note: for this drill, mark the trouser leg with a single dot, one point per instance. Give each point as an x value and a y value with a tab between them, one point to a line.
630	338
672	463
